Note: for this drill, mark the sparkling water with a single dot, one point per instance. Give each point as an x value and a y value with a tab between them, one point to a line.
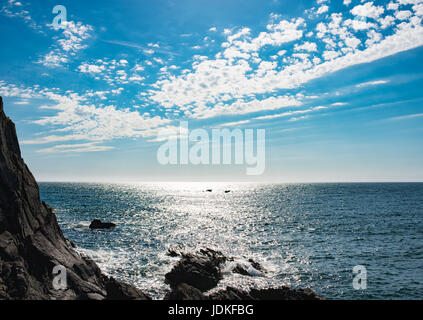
304	235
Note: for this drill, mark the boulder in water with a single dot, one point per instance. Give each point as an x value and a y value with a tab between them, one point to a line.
97	224
200	270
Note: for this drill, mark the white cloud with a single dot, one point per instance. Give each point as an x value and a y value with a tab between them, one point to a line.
407	117
322	9
372	83
82	147
66	47
358	25
403	15
114	72
368	10
22	102
306	46
136	78
90	68
386	21
234	124
78	120
393	6
373	37
15	9
290	113
239	78
330	55
148	51
96	123
11	90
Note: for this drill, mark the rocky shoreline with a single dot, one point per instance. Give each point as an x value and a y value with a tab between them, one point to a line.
32	245
198	272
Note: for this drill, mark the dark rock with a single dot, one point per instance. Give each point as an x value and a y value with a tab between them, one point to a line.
200	270
230	294
185	292
257	266
94	296
241	270
175	251
122	291
172	253
227	191
209	190
70	243
97	224
31	242
283	293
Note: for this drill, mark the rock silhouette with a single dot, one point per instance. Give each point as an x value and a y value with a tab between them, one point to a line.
201	271
32	244
97	224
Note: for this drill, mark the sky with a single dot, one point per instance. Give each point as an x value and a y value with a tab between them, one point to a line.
336	84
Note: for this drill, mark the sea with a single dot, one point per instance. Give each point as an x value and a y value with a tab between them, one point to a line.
326	237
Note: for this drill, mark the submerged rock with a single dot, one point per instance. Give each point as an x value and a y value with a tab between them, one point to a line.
200	270
31	242
97	224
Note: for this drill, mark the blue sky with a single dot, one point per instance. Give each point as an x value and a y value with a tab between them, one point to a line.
337	85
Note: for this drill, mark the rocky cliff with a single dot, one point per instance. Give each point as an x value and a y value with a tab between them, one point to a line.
31	242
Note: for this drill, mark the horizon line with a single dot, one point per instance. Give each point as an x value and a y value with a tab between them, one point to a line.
228	182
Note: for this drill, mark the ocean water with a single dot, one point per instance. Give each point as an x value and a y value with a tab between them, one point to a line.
305	235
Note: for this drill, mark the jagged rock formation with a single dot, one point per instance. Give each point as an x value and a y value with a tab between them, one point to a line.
198	272
31	242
